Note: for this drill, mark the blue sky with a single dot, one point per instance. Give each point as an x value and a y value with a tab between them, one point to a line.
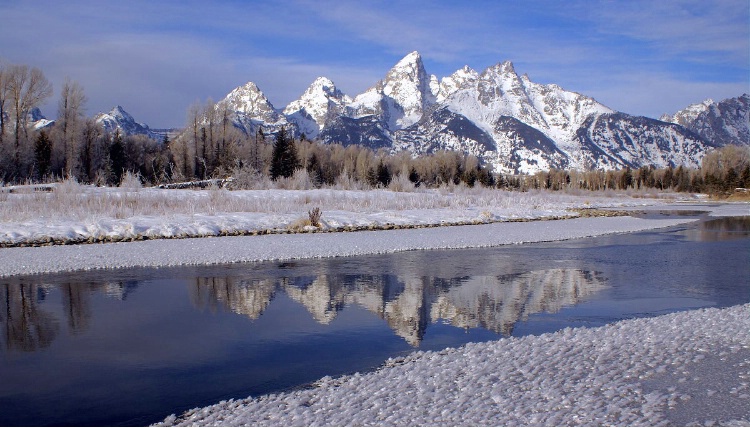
155	58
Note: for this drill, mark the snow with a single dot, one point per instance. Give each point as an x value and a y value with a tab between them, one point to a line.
635	372
271	224
358	210
688	368
73	213
235	249
319	102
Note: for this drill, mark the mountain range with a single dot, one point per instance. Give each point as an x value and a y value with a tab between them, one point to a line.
508	121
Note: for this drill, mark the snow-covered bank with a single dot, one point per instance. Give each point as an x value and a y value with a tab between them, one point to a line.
235	249
74	213
689	368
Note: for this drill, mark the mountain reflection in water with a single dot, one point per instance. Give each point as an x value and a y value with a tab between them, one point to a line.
407	304
127	347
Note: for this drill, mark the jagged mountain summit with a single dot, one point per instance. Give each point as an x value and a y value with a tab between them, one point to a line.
506	120
401	98
319	105
251	108
37	121
119	119
722	123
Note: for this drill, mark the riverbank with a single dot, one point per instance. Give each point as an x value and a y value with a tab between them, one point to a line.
238	249
71	213
683	369
632	388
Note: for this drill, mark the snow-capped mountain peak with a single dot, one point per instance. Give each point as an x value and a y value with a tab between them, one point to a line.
460	79
119	119
321	102
718	123
507	120
408	84
685	116
36	119
250	100
119	114
401	98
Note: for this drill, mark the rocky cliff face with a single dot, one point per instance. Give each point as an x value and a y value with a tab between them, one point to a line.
719	124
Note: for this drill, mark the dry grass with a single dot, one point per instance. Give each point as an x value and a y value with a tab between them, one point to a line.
73	201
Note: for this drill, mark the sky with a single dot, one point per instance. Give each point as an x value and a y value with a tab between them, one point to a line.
156	58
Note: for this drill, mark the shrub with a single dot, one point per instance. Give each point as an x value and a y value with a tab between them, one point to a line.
314	216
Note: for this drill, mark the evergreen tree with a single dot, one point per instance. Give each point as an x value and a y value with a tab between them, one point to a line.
745	177
414	176
626	179
285	160
43	153
485	177
117	158
730	179
315	170
383	175
668	176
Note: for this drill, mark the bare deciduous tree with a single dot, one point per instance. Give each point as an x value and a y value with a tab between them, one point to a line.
3	100
70	114
27	88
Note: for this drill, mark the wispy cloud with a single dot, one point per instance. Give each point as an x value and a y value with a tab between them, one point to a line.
156	58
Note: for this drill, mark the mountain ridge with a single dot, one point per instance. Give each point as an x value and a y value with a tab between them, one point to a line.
506	120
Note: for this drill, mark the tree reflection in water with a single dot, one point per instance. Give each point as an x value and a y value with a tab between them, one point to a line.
409	303
27	327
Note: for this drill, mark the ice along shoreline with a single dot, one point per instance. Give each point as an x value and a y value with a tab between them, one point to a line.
238	249
685	369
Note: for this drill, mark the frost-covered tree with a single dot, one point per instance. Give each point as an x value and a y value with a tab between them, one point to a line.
117	158
69	123
27	88
4	92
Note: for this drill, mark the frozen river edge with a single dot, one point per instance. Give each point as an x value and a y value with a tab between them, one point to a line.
686	368
237	249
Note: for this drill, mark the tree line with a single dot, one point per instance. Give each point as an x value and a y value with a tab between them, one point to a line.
721	172
74	146
211	146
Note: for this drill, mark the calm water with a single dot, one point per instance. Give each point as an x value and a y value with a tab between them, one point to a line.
130	347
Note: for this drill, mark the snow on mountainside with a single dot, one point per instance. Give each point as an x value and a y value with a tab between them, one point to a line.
119	119
685	116
250	108
319	105
37	121
617	139
719	124
461	79
401	98
509	122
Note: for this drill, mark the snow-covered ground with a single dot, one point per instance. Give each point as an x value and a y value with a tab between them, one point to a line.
73	213
235	249
689	368
685	368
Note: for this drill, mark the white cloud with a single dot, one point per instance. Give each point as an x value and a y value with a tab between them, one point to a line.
156	58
